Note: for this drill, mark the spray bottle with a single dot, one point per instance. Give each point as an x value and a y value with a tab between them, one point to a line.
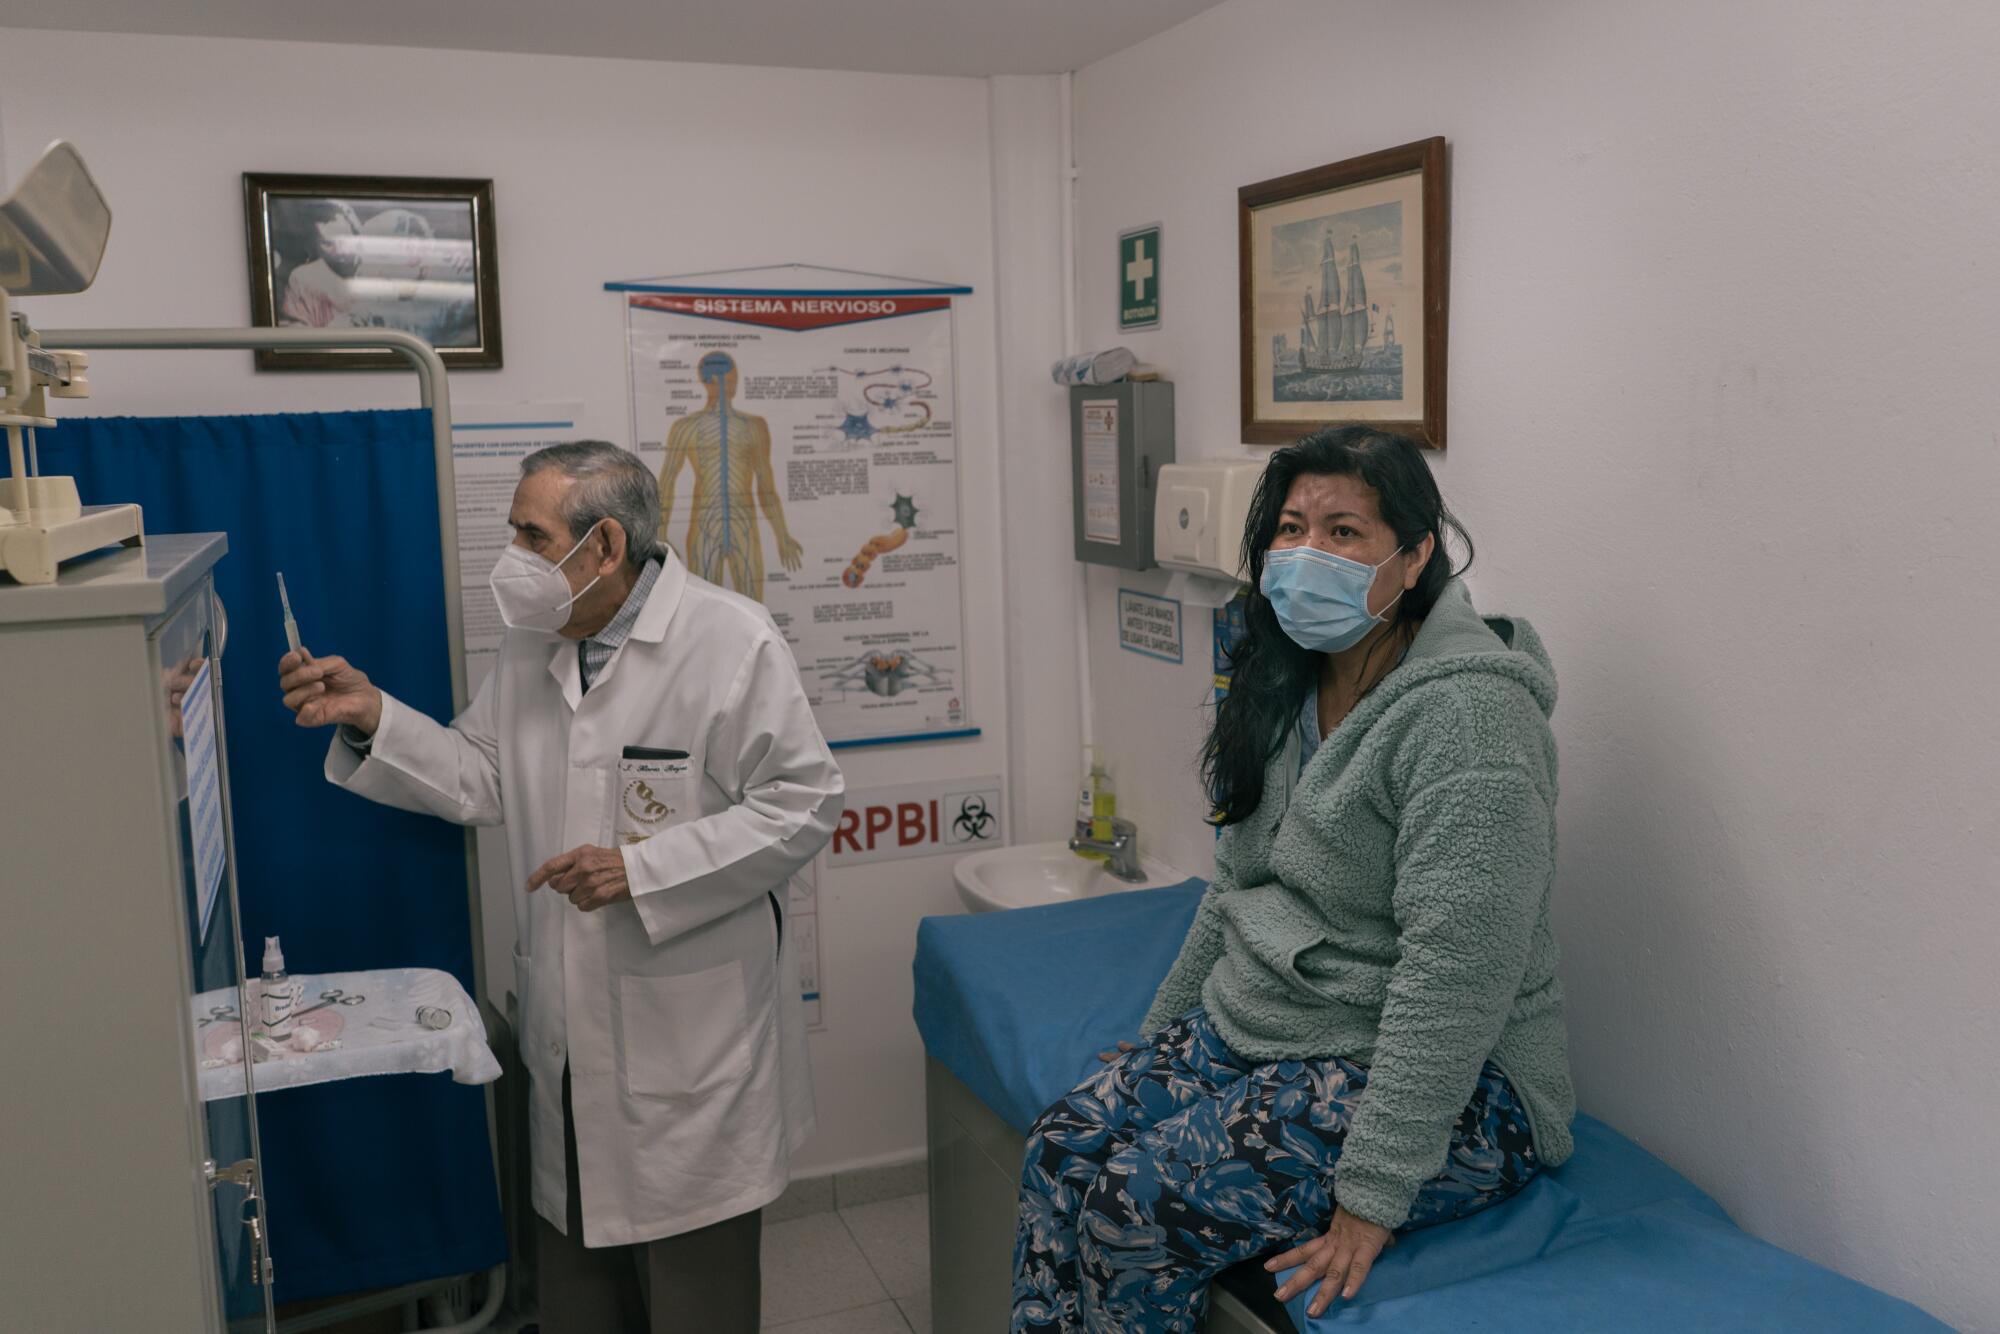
277	994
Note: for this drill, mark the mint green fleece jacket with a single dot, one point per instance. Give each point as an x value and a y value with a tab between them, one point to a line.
1391	905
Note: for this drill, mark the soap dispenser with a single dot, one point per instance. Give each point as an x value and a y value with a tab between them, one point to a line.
1096	803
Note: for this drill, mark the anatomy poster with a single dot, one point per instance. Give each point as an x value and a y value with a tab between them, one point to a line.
806	446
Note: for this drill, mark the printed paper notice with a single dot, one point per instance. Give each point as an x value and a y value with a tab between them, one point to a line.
488	442
1101	519
204	791
803	918
1149	625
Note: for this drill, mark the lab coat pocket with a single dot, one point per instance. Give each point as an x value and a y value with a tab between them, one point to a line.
684	1036
655	790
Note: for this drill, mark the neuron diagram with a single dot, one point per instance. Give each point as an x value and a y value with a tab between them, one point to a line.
905	510
880	402
884	672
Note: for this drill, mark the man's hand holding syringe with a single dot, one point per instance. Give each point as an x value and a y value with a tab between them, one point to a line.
324	691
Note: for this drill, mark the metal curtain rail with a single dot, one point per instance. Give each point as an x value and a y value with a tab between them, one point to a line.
432	386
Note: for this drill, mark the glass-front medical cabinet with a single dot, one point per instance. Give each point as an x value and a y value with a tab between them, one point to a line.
134	1183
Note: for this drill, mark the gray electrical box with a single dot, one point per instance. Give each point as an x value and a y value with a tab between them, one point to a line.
1119	435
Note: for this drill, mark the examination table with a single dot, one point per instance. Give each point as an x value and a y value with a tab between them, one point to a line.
1013	1006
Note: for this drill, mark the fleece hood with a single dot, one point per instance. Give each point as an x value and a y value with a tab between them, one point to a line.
1455	638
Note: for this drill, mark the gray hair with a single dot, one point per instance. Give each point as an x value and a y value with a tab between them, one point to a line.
611	483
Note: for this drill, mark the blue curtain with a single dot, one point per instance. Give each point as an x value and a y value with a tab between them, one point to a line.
370	1182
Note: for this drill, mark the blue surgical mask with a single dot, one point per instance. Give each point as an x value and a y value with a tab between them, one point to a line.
1322	599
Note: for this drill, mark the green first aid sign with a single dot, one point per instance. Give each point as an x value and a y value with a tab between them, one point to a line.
1139	278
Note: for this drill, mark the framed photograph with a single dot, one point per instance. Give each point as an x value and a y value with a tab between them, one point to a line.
374	252
1343	275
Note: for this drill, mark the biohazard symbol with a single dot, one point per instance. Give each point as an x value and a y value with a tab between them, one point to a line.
642	805
974	820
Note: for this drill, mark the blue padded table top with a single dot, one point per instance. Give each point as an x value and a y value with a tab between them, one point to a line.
1016	1005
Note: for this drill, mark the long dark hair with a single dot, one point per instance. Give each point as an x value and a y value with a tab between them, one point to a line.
1270	674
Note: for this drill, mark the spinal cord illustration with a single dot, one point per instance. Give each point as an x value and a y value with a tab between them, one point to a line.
730	453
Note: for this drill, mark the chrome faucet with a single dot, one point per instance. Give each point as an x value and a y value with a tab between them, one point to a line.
1121	850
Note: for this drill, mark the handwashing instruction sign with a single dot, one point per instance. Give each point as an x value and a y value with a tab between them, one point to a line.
1149	624
804	429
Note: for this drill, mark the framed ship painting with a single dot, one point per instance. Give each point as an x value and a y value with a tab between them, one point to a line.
1343	276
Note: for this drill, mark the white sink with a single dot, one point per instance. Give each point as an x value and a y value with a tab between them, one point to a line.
1036	873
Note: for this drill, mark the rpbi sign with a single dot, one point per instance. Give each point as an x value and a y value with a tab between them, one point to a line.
919	819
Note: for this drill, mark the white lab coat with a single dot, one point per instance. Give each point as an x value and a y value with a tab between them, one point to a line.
678	1012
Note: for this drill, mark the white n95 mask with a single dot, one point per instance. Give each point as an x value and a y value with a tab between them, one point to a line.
531	590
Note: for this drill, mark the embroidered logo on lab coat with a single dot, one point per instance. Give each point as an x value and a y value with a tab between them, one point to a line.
651	794
643	805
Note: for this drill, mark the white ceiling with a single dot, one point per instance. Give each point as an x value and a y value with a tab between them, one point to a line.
969	37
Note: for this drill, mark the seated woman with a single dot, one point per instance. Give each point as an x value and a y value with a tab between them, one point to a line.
1363	1032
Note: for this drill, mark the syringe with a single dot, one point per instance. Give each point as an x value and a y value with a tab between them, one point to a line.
291	626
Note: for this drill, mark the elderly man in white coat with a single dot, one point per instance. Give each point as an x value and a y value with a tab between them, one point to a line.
647	743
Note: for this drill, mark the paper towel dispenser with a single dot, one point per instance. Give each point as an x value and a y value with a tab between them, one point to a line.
1199	515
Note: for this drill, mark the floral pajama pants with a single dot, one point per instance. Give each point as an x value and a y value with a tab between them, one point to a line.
1180	1159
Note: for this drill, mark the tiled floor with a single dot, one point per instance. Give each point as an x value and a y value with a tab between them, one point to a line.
846	1256
861	1269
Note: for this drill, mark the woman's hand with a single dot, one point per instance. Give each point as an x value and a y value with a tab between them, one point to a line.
1339	1262
1109	1056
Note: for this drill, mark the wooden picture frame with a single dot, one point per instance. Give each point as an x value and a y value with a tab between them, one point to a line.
395	252
1312	354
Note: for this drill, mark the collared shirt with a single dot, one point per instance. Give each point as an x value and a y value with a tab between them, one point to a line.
594	652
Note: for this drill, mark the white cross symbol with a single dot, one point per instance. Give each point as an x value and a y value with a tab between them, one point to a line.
1139	270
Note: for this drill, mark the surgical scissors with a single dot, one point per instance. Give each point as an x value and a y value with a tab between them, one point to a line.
333	997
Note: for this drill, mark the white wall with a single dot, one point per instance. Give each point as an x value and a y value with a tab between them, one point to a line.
1723	406
603	169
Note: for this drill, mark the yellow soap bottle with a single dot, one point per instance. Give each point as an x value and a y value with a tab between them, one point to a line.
1103	803
1096	803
